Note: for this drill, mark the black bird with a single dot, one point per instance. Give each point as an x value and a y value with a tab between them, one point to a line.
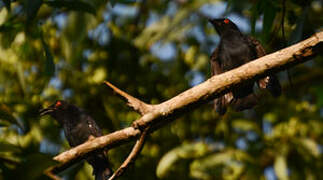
234	50
78	128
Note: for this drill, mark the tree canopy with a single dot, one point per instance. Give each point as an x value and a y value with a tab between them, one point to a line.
154	50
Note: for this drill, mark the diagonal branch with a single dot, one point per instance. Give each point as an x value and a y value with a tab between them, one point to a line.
50	172
132	156
216	86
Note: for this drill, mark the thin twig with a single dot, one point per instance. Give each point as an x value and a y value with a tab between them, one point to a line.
49	172
132	156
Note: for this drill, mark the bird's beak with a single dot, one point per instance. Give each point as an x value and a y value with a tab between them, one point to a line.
46	111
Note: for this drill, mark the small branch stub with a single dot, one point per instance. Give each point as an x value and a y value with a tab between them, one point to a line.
132	102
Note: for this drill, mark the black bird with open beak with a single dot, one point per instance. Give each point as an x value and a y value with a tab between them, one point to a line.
234	50
78	128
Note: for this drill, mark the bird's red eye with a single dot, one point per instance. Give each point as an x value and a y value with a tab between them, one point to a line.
58	103
226	21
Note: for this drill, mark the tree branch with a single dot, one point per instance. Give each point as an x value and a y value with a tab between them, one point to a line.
214	87
133	102
132	156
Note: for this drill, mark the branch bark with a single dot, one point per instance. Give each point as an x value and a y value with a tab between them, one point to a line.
158	115
132	156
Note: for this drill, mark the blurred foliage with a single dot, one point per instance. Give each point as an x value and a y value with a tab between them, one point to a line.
65	49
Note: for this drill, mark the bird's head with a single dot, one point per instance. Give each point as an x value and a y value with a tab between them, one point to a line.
59	110
223	25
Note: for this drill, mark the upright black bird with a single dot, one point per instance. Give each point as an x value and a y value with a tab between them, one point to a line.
78	128
234	50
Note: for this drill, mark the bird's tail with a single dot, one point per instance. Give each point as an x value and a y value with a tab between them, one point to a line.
221	103
247	102
101	166
237	103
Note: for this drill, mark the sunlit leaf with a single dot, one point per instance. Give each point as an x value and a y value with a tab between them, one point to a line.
9	30
311	146
21	77
217	165
245	125
280	167
190	55
182	152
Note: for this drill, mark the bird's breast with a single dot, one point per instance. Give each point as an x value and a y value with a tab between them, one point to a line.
233	55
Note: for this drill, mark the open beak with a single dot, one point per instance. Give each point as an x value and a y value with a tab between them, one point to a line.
46	111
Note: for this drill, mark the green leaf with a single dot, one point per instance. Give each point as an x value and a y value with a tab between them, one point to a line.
49	64
246	125
6	147
6	116
280	167
211	166
72	5
226	164
10	26
310	146
9	30
256	9
183	152
298	31
31	8
21	77
319	95
169	28
270	12
33	166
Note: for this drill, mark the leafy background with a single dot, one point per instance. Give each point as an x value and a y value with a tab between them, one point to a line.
65	49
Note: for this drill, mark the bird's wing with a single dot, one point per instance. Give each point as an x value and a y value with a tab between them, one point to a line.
215	66
93	127
270	82
220	104
260	51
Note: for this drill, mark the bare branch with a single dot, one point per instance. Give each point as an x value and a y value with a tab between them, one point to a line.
132	156
50	173
162	113
132	102
115	138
